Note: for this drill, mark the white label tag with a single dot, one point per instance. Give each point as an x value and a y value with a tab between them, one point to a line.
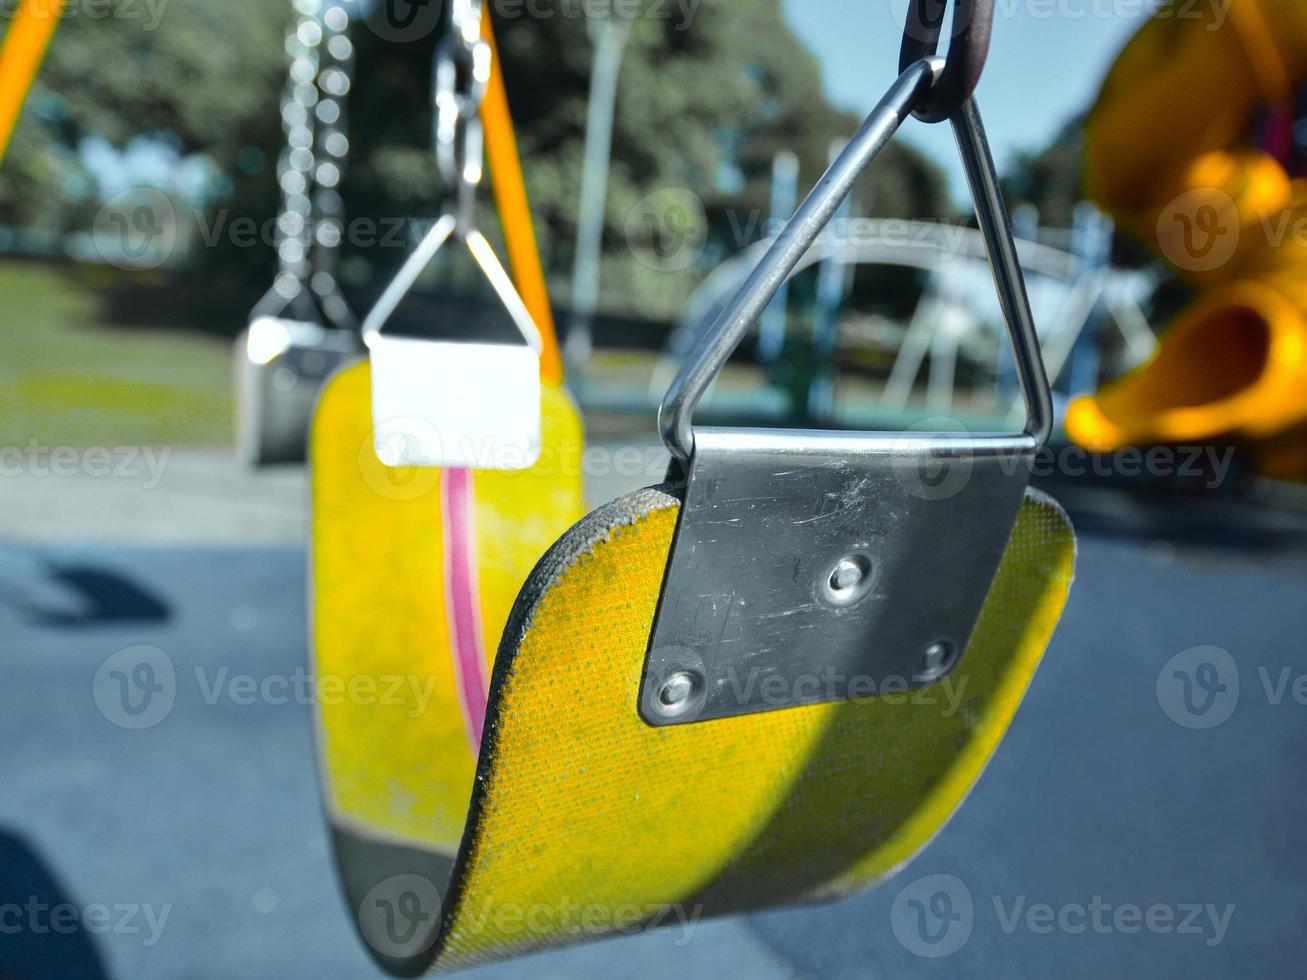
464	406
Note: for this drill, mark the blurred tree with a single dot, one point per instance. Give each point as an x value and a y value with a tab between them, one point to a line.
42	179
704	105
198	79
1051	179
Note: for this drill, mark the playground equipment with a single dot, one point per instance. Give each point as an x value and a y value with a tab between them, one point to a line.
26	40
302	330
954	312
741	667
609	34
1174	156
415	567
556	775
784	196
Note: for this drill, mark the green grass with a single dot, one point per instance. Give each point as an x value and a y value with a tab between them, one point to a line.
69	378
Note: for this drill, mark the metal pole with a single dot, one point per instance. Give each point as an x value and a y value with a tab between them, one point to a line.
832	288
1091	242
784	197
609	35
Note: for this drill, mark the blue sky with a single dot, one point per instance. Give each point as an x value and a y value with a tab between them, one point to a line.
1047	60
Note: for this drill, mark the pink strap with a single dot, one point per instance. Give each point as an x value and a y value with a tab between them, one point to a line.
463	600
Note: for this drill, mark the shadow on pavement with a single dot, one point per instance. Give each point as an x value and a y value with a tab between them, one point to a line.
97	595
40	933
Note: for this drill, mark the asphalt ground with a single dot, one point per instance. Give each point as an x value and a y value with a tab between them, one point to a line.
1120	830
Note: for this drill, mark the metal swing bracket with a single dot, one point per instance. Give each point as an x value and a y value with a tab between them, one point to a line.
445	393
459	78
815	566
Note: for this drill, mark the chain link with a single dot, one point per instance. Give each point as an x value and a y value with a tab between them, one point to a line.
459	79
335	79
973	22
295	168
310	225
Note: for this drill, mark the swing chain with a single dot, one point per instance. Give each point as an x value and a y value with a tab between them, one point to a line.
310	224
973	23
295	168
459	80
332	146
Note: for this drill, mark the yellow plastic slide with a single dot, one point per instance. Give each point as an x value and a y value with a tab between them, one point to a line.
1172	156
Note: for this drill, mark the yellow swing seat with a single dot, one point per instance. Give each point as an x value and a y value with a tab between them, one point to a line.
556	827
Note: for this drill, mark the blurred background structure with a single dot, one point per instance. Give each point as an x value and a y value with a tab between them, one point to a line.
140	186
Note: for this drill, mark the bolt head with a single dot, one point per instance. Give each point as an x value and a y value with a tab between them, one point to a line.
937	658
849	581
677	689
847	575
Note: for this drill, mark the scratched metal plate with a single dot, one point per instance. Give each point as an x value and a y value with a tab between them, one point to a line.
750	618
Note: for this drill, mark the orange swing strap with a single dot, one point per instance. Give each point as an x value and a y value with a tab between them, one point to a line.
514	209
21	55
